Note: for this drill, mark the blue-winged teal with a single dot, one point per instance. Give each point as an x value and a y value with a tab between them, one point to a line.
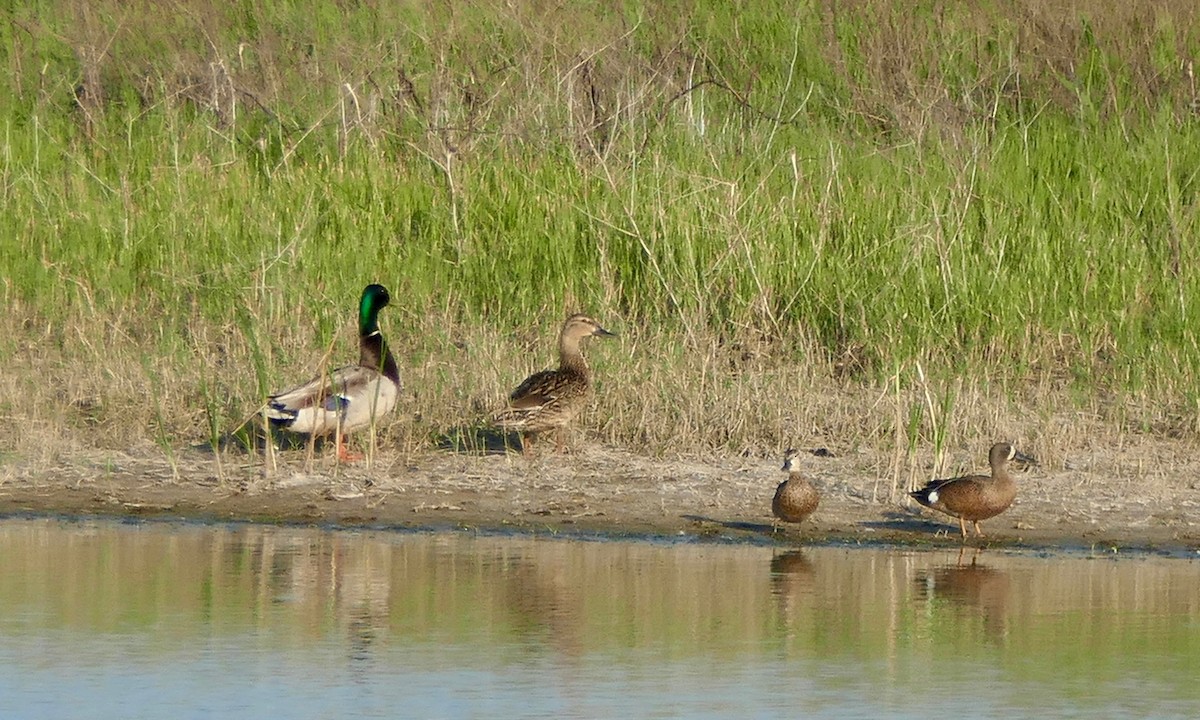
351	397
550	399
795	498
975	497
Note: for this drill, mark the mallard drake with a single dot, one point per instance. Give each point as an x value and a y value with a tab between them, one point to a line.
550	399
351	397
795	498
975	497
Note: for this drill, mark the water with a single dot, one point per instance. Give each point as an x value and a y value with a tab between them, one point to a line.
110	620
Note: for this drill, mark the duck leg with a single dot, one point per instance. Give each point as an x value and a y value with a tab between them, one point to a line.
344	453
962	527
978	530
526	443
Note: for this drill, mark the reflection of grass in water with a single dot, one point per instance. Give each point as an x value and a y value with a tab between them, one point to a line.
842	201
1019	616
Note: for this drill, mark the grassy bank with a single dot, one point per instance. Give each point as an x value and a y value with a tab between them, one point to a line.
834	222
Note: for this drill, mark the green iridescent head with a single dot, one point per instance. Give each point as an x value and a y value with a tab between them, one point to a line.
374	299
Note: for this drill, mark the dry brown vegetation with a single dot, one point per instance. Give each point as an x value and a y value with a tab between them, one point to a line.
219	157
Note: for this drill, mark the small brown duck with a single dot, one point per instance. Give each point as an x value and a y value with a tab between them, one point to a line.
350	398
975	497
550	399
795	498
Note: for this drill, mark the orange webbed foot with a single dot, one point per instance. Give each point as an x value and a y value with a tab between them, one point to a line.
346	455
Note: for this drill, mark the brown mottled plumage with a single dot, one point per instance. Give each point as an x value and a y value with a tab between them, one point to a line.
975	497
795	498
550	399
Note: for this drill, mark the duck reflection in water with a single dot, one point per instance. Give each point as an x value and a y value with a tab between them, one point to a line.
968	588
359	574
544	608
792	576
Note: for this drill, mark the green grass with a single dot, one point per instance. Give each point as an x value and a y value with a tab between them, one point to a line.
195	195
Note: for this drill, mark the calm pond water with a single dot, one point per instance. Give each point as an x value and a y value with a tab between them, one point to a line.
112	620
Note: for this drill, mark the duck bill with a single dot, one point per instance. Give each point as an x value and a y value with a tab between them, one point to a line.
1022	457
601	332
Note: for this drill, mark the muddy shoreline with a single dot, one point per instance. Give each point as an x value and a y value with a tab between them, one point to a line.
598	492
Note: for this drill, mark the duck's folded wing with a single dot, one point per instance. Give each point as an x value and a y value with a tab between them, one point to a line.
537	390
315	406
929	493
941	483
959	488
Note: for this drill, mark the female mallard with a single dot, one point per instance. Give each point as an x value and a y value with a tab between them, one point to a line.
795	498
550	399
351	397
975	497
